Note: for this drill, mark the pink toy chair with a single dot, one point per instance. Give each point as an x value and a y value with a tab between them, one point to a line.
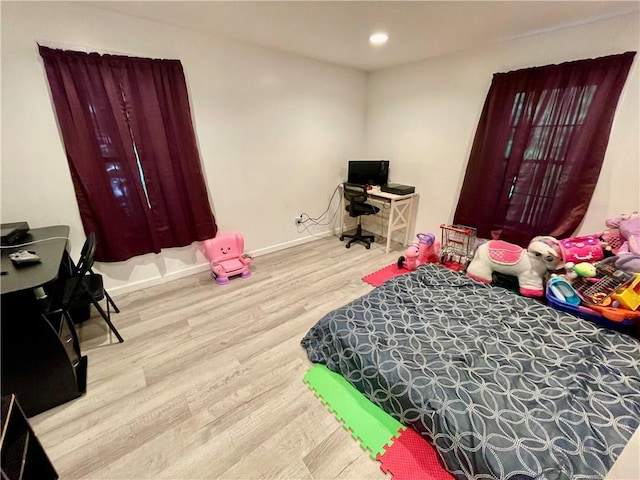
225	254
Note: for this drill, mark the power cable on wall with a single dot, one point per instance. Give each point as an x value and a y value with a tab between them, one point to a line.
320	220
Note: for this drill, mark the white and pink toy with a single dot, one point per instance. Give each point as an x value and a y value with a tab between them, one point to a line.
226	256
529	266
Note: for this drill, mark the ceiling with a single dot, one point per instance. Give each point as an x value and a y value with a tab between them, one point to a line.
338	31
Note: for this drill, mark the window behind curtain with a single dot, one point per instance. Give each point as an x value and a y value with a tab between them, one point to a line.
131	148
539	148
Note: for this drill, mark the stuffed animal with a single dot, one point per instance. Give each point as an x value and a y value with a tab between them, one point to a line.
629	228
628	255
583	269
529	266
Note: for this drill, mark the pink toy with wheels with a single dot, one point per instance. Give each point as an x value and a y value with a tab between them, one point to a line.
425	251
226	257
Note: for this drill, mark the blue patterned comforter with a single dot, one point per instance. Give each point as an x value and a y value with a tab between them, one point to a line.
501	385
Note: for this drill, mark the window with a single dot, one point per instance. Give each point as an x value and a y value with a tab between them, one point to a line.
539	148
131	148
545	151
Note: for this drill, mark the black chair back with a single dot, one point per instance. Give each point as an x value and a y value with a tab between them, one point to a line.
355	193
357	196
85	287
84	265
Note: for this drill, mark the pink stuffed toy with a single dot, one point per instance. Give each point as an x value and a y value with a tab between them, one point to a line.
628	255
629	228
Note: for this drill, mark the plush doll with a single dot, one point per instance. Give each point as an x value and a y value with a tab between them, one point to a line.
629	228
628	255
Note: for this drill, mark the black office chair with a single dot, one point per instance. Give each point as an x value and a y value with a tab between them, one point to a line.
357	196
86	288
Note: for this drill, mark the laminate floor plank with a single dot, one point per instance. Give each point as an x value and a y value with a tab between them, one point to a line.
338	456
208	383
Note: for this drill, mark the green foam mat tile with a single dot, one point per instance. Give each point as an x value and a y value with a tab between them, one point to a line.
368	423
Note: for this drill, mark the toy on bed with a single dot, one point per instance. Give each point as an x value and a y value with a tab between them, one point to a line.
586	248
424	251
582	269
600	293
611	241
629	228
226	257
629	252
529	266
562	285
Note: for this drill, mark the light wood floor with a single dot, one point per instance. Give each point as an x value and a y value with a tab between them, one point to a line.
208	383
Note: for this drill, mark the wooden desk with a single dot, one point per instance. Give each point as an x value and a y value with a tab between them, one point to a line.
400	212
41	360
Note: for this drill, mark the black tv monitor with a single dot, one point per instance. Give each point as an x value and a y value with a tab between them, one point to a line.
368	172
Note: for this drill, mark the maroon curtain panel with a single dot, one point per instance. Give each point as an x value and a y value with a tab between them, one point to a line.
539	148
131	148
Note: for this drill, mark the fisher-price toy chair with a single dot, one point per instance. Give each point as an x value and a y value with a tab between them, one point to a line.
225	254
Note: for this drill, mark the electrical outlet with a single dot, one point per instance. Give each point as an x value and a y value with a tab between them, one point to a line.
298	219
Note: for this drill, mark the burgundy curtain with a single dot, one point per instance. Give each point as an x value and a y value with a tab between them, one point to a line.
131	148
539	147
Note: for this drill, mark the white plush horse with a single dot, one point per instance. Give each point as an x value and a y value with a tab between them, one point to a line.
530	265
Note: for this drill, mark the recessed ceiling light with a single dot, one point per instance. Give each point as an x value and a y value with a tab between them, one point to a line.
378	38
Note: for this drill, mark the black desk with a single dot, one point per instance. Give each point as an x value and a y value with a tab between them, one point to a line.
41	360
50	244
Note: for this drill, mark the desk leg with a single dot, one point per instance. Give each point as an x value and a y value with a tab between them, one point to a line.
342	207
409	217
392	214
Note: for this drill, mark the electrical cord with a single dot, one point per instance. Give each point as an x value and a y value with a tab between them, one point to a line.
320	220
305	227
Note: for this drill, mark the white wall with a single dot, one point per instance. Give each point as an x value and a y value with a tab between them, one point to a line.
274	130
423	117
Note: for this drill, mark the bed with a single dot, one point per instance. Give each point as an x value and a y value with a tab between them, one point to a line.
501	385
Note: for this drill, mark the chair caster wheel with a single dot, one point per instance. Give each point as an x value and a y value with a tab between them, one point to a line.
368	247
348	246
341	238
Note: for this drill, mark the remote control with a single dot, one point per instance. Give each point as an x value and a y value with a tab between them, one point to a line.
22	257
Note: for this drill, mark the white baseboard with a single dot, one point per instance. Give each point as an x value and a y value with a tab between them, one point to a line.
203	267
150	282
292	243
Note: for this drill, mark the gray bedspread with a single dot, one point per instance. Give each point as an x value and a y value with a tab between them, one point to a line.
501	385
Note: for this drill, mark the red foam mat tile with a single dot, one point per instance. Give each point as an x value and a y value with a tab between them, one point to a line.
411	457
378	277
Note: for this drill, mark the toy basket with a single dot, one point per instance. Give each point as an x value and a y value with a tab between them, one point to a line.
613	318
607	281
457	245
610	284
